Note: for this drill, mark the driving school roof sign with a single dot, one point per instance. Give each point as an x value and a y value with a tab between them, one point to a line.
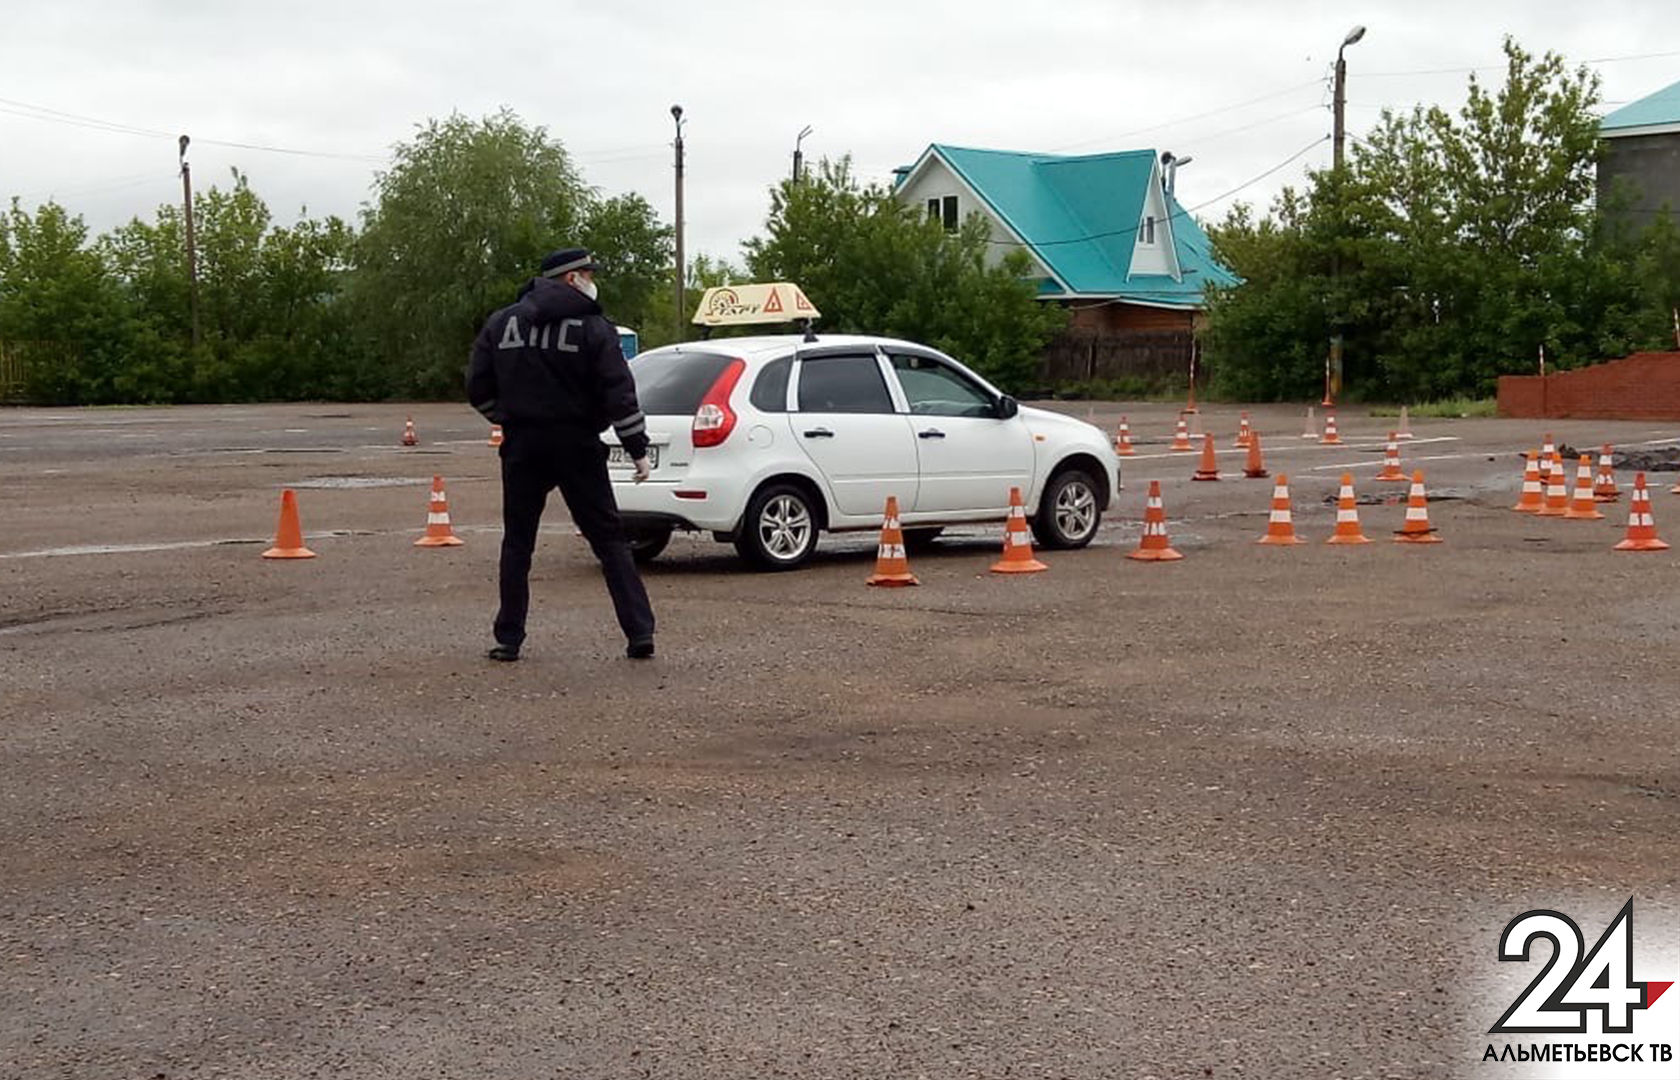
742	305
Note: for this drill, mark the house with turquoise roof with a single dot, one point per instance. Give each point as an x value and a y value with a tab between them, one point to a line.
1639	169
1104	232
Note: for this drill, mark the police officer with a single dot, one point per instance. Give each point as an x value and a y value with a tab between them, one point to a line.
549	370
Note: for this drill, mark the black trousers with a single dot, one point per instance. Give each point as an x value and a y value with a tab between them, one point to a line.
533	464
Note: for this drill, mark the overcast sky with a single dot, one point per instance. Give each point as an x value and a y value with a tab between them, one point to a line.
1240	86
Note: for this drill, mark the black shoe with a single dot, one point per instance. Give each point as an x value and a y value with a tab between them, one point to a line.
504	652
640	649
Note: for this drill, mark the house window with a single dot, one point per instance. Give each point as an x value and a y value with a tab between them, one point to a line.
944	211
1146	231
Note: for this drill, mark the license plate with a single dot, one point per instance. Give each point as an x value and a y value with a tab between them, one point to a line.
618	459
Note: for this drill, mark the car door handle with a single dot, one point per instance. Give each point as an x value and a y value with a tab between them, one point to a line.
819	433
930	433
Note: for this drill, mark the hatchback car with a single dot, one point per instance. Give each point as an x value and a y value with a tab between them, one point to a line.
767	442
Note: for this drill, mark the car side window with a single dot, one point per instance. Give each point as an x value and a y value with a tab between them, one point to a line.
769	392
842	384
936	389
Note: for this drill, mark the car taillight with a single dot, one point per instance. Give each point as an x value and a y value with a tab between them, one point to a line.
714	420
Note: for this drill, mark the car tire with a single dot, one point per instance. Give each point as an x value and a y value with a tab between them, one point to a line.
779	530
922	539
1069	511
647	544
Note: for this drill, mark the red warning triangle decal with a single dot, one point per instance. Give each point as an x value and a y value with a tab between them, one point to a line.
773	306
801	303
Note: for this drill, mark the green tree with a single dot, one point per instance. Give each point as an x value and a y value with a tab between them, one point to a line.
872	265
61	304
461	218
1446	252
635	252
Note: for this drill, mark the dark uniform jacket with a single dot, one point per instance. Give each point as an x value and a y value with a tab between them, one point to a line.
552	362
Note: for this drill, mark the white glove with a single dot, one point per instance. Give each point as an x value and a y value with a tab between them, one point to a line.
643	470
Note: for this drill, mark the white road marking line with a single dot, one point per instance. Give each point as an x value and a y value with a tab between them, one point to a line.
1351	466
1268	449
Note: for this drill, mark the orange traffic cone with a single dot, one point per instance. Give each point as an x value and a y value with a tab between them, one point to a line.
1154	545
1641	528
1255	468
1557	491
892	565
1181	438
1330	436
1547	449
1405	431
1347	516
288	538
1280	527
438	532
1391	461
1582	507
495	434
1244	433
1209	468
1604	486
1123	440
1533	492
1416	529
409	437
1312	426
1017	541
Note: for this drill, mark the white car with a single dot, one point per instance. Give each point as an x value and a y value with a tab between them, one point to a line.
767	441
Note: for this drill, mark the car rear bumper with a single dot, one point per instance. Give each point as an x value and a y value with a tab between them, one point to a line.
654	504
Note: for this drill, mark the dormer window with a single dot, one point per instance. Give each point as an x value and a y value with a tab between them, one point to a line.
1146	231
943	209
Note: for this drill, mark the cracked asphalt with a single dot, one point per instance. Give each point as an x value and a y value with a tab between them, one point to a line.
1259	813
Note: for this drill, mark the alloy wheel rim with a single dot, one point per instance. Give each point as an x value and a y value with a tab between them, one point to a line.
1076	510
785	527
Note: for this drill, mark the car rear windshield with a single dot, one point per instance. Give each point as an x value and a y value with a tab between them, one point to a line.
673	384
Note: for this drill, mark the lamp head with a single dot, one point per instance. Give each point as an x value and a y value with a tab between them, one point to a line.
1353	36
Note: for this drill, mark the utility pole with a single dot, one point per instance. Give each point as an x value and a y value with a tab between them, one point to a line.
1340	96
1333	367
798	155
682	265
192	255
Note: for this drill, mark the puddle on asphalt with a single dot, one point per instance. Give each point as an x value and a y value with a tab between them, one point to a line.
359	481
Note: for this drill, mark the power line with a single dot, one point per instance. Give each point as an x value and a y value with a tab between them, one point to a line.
31	111
1500	67
1187	119
27	110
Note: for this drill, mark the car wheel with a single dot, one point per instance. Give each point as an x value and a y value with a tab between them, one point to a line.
1069	513
921	539
779	531
645	545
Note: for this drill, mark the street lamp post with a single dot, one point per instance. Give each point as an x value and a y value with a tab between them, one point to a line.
798	155
1333	367
1352	38
682	265
192	254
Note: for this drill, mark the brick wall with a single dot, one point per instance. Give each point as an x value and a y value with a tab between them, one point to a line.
1644	386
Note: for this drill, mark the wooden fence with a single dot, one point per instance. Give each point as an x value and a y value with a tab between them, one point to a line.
1077	356
14	378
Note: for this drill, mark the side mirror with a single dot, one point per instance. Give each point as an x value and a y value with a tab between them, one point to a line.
1007	407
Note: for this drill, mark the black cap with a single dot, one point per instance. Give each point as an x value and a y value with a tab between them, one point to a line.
566	260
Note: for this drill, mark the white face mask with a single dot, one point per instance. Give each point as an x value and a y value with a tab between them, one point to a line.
585	286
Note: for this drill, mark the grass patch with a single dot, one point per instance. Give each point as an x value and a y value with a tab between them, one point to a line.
1458	408
1123	389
